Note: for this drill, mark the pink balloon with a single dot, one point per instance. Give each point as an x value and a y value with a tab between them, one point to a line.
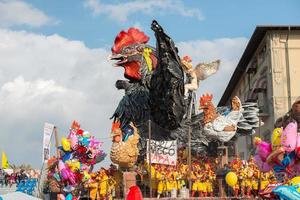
289	137
264	150
71	177
63	170
61	197
263	166
74	141
61	165
64	174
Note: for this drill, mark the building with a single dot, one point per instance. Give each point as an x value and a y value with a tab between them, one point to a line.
268	73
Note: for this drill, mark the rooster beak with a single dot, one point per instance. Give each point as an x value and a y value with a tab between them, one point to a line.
115	56
200	107
119	58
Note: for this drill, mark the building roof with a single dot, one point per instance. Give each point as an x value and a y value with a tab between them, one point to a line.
251	47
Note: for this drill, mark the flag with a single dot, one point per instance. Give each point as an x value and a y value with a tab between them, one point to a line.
5	164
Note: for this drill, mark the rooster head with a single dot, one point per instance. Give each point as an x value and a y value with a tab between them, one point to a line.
131	51
205	101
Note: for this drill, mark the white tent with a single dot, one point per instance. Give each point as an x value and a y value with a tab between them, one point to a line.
18	196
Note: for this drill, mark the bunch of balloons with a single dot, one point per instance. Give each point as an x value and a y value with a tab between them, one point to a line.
282	154
79	151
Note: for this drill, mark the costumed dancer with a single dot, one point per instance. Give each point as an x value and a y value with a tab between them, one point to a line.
236	168
246	184
161	178
103	183
211	177
93	186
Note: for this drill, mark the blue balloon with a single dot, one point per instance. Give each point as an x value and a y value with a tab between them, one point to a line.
287	192
288	158
69	197
278	168
56	176
85	141
66	156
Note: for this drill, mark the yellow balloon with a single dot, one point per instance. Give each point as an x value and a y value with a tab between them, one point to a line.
65	143
276	141
86	176
73	165
295	180
231	179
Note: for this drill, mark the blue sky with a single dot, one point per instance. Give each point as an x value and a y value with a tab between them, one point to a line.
53	57
221	18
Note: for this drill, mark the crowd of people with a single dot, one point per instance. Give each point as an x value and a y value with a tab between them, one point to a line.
16	176
167	180
250	179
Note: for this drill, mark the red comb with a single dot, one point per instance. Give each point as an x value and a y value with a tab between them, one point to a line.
115	126
187	58
205	98
132	36
75	125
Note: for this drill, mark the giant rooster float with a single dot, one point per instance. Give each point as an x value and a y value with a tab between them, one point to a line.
160	88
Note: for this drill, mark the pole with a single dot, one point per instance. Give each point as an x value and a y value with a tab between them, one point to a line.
189	139
149	154
56	141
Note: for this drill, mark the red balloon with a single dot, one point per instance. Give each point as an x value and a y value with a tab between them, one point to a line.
134	193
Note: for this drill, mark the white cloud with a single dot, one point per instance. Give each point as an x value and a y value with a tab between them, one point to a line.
16	12
228	50
121	11
53	79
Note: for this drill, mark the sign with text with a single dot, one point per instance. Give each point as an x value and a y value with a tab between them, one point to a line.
163	152
48	130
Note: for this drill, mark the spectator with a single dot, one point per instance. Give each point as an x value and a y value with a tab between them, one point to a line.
2	177
12	179
6	177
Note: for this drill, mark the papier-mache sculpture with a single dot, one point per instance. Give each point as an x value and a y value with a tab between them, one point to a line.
156	89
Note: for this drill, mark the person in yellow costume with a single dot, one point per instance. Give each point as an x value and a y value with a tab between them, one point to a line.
211	177
111	187
264	180
255	179
198	184
161	187
173	179
170	181
203	183
154	170
246	184
195	182
93	186
103	183
178	175
236	168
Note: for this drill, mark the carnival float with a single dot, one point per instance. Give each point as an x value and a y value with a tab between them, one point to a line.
160	93
160	105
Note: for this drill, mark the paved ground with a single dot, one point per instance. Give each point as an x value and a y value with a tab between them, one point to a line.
7	189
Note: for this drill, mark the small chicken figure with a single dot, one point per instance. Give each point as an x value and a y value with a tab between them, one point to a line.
124	153
221	127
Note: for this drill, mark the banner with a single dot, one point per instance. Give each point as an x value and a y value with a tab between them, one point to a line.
163	152
48	130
